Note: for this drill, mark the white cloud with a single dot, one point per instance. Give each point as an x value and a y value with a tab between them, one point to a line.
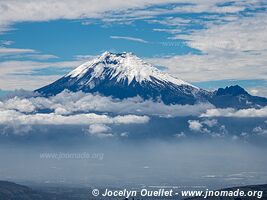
230	112
17	74
84	57
25	111
130	119
116	10
29	82
12	116
68	103
31	10
211	7
190	6
6	51
259	131
21	105
15	53
129	38
100	130
210	122
171	21
215	66
209	127
6	42
40	56
233	46
195	125
245	34
80	109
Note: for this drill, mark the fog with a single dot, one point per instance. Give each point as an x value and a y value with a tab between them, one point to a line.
212	163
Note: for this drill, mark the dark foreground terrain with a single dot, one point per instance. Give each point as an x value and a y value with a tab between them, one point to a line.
13	191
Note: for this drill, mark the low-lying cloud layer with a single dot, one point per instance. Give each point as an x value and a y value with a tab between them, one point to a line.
8	116
20	111
230	112
67	103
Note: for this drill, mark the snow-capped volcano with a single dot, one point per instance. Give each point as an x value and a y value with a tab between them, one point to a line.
123	75
124	67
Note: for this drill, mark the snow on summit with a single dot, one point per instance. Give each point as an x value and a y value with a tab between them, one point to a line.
122	67
124	75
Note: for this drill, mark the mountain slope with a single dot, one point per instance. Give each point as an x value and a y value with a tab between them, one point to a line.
13	191
125	75
236	97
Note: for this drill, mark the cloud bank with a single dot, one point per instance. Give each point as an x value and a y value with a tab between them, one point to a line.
67	103
230	112
11	116
20	112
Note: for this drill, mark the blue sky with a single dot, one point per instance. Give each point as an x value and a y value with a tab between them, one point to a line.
209	43
66	39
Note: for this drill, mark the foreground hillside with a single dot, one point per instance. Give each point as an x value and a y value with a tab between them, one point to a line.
13	191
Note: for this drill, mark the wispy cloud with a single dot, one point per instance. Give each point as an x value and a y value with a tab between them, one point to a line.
16	74
84	57
30	10
6	51
230	50
129	38
6	42
17	53
239	35
120	10
215	66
